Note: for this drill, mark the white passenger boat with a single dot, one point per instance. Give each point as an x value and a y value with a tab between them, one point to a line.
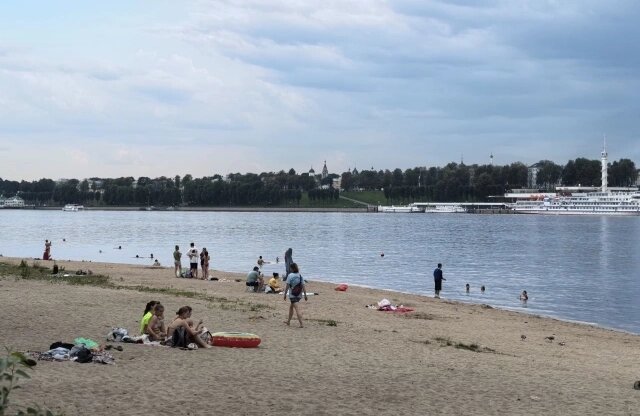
590	203
445	209
73	208
604	202
402	208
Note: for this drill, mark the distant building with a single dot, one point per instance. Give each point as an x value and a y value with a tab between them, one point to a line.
532	175
325	171
638	178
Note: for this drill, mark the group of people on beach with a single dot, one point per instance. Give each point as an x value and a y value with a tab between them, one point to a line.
294	289
195	257
180	332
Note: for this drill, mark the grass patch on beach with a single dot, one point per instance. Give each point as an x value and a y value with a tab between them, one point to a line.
446	342
37	272
41	273
222	302
327	322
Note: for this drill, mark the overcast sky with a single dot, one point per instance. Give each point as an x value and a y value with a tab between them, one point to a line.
152	88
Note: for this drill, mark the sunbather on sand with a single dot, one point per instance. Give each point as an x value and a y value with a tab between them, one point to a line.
274	283
147	315
182	321
156	329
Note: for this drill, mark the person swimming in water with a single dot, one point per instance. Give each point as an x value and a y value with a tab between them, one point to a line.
524	297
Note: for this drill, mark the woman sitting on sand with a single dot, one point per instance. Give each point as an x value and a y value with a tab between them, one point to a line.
146	316
183	324
155	329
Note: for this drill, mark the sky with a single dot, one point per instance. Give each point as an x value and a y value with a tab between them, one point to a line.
164	88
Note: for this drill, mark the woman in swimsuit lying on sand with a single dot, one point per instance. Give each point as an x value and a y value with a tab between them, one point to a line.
182	320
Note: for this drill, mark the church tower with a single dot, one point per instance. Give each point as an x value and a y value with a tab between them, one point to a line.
325	171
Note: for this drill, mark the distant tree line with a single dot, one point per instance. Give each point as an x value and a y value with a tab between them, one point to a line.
453	182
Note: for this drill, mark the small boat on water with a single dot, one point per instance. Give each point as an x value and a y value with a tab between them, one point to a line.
73	208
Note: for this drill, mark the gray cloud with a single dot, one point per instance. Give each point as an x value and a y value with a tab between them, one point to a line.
402	83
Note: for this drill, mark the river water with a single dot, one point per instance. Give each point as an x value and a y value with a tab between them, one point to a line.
574	268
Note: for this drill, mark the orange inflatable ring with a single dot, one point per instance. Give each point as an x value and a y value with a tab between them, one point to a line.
235	339
342	287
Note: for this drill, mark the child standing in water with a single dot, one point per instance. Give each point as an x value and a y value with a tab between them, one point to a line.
524	297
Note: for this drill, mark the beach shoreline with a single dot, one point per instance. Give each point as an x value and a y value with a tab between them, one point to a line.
445	357
214	209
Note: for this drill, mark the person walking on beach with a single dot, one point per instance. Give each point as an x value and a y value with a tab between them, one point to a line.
288	261
437	278
193	261
177	262
295	288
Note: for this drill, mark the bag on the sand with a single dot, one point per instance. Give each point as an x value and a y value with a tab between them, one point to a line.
297	289
81	354
179	338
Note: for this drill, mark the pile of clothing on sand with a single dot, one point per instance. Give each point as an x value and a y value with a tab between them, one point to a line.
82	350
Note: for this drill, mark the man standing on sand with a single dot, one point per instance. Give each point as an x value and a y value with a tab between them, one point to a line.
177	262
193	261
437	278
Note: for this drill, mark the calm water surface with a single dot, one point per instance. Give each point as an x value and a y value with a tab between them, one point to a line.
576	268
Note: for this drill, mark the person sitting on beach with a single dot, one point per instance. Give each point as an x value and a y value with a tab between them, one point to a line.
274	283
156	329
199	327
180	328
146	316
524	296
156	263
255	280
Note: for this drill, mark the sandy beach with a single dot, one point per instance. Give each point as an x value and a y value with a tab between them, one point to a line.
443	358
